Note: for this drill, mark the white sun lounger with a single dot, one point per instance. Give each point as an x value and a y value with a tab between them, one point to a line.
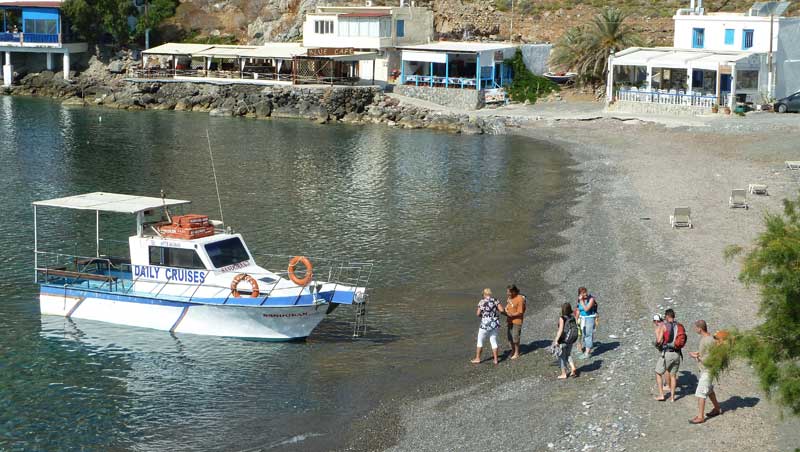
793	164
681	217
757	189
738	199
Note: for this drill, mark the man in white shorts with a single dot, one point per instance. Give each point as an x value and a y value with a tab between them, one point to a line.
704	386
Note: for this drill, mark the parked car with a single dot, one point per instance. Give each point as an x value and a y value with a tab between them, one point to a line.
789	103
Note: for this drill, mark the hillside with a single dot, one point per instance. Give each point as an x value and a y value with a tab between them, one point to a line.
257	21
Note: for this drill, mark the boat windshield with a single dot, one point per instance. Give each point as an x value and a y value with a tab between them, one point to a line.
227	252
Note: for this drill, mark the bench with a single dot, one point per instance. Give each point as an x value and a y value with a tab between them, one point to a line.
78	275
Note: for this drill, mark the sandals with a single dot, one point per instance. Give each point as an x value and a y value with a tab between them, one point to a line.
713	413
695	421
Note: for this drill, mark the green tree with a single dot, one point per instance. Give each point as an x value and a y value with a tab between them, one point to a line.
772	348
527	86
585	49
156	12
91	19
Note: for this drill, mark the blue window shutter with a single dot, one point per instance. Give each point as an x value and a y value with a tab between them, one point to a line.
747	39
401	28
729	36
698	36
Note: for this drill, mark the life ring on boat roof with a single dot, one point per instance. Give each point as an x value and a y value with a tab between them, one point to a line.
309	270
244	277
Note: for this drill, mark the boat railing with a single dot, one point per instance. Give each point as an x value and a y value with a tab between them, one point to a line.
331	270
75	269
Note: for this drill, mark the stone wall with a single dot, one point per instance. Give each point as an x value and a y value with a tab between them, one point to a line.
456	98
622	106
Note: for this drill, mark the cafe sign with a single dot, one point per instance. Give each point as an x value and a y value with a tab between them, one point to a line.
330	51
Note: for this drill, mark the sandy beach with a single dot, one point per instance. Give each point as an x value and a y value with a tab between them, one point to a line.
620	245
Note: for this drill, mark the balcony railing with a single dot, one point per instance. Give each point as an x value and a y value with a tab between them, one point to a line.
671	97
30	38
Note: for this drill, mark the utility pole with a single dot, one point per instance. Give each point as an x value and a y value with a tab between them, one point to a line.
146	30
771	81
511	31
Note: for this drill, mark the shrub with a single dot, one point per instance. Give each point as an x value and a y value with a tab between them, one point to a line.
527	86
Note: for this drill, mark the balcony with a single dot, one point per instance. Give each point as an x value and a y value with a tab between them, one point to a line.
30	39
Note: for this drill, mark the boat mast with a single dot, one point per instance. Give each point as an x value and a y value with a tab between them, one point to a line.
35	248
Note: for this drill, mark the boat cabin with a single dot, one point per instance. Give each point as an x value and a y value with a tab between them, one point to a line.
179	249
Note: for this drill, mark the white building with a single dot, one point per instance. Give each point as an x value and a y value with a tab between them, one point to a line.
716	58
32	29
379	29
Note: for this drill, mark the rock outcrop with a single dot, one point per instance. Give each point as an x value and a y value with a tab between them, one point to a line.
104	85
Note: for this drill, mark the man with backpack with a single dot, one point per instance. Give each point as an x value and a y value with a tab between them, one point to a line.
670	340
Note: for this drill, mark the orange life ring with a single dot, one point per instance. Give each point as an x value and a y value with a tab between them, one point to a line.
244	277
309	270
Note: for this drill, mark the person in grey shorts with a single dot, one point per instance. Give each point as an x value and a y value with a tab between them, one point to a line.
515	312
669	362
704	386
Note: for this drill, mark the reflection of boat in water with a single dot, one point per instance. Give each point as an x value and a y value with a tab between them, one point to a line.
186	274
560	77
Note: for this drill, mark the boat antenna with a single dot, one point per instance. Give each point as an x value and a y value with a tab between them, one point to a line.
214	171
164	204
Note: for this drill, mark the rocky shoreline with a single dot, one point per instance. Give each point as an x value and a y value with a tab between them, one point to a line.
106	86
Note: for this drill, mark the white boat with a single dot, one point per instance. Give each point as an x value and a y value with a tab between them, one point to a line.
560	78
186	274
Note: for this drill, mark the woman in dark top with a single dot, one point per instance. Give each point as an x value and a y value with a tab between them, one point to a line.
564	357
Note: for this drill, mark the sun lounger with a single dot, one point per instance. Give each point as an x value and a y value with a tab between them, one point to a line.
757	189
681	217
738	199
793	164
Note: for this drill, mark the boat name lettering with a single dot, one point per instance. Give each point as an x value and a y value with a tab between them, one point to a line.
236	266
290	314
170	274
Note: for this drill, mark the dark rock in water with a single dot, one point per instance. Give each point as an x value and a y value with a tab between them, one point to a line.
263	109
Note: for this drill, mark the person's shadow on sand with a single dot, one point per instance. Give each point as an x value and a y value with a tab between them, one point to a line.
736	402
524	349
601	347
590	367
686	385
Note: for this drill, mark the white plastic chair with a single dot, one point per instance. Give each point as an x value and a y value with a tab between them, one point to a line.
681	217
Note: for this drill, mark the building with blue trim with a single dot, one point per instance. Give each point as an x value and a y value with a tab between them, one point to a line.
718	59
33	28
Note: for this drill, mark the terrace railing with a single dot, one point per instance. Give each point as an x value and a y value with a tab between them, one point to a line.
671	97
427	80
30	38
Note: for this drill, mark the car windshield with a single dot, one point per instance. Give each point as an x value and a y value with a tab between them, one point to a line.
227	252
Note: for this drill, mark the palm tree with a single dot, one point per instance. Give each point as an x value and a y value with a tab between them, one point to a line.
586	49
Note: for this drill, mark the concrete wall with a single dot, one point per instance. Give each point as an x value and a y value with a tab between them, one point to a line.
656	109
715	25
458	99
536	57
787	59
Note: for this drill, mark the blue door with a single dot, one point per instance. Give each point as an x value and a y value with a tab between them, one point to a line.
725	83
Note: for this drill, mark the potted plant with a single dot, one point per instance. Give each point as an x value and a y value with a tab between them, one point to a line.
715	108
726	109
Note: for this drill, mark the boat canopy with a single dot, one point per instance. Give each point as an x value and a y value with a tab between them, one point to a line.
111	202
104	202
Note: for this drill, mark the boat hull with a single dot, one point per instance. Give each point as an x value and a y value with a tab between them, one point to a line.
251	322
